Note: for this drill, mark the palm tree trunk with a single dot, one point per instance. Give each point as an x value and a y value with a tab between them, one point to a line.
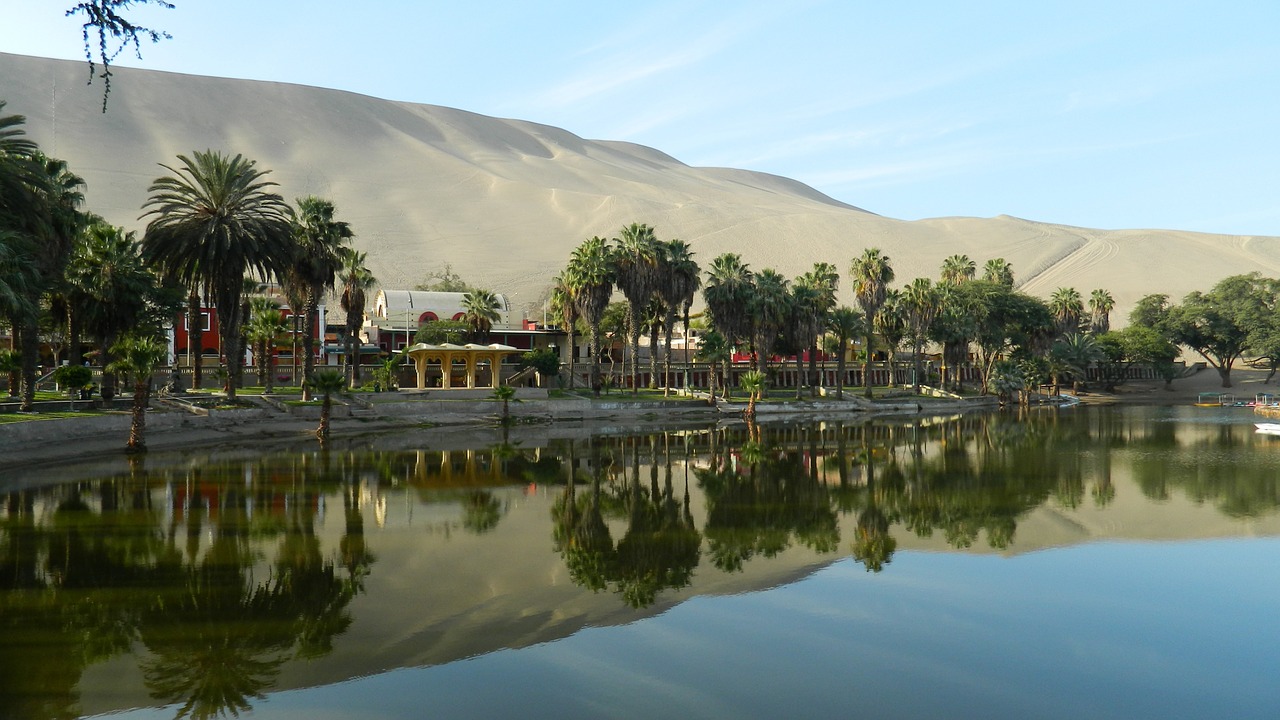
813	371
572	352
138	425
866	363
595	359
799	376
840	371
308	346
322	432
670	328
195	339
30	357
74	356
634	332
653	356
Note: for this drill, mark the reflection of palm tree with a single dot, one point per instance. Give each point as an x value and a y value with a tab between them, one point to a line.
873	546
481	511
661	547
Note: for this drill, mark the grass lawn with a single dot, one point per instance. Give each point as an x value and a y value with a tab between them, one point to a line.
6	418
252	390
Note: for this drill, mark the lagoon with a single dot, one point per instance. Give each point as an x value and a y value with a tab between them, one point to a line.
1095	562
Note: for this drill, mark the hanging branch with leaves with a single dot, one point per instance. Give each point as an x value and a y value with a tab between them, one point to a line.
105	21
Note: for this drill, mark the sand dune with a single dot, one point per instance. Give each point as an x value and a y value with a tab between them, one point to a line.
505	201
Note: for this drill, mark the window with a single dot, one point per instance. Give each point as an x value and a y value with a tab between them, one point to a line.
205	320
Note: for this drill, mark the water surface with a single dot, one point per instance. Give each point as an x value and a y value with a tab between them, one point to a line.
1090	563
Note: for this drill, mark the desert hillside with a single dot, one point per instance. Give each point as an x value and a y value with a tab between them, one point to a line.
505	201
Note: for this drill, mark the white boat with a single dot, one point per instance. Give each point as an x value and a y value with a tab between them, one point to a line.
1268	428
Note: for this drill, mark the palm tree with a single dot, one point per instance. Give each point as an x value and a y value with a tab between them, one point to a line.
266	325
295	296
1072	355
846	323
590	279
919	306
327	382
636	272
17	277
891	325
770	310
802	327
727	293
871	275
481	308
138	357
108	288
998	271
320	244
213	222
957	269
715	351
505	394
824	279
1100	306
678	287
565	310
1067	307
753	383
357	281
51	224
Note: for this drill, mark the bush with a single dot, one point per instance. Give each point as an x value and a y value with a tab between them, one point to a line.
72	376
545	361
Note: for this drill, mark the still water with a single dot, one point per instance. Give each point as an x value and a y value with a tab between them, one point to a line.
1099	563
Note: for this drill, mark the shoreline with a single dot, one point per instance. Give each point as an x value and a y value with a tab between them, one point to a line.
58	442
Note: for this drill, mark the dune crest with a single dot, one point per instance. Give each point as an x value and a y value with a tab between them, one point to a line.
505	201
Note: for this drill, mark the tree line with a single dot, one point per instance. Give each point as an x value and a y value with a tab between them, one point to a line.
217	232
977	319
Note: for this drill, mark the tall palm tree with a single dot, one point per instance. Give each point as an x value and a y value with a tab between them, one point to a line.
803	326
295	296
266	325
481	308
1100	306
320	244
770	310
824	279
51	221
891	325
138	357
727	293
678	287
1068	308
565	310
846	324
997	270
357	281
920	303
215	221
636	261
17	276
590	278
871	273
957	269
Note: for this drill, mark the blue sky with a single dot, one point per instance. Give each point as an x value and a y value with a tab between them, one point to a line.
1100	114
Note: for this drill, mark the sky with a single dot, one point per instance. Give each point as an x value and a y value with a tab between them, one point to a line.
1115	114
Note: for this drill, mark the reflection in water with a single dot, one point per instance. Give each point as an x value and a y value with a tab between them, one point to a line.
216	578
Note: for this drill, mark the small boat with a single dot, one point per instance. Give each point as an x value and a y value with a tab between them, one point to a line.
1268	428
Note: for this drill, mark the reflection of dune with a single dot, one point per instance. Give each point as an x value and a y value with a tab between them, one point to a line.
505	201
